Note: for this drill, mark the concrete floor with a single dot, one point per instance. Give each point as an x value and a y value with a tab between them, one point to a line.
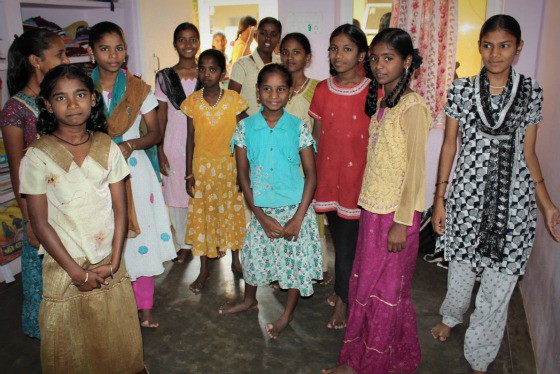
193	338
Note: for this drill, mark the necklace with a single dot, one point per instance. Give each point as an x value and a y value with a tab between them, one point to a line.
73	144
32	90
497	87
297	92
204	101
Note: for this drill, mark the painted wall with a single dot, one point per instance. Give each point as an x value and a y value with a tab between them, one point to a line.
541	285
472	14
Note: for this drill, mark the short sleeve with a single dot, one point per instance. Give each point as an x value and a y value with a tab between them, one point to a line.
33	173
241	104
305	137
187	106
238	138
118	168
316	106
10	115
160	95
238	73
534	114
455	99
149	104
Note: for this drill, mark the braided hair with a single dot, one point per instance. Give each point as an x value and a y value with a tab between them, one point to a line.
356	35
401	42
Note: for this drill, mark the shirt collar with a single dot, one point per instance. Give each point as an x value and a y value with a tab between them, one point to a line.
261	122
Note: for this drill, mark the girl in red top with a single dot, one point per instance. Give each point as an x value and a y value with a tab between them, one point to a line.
341	131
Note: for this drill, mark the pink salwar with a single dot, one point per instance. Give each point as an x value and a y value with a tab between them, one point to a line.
143	288
382	335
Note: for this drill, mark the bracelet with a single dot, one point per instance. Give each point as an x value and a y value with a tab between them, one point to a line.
189	177
111	266
26	221
84	282
539	181
442	182
129	145
439	197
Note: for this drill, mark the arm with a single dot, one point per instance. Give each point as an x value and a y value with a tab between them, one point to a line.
317	127
152	137
271	227
545	204
37	207
162	120
13	142
120	212
189	183
446	157
293	226
233	85
241	116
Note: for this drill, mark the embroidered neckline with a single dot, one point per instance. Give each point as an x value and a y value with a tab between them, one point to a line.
347	90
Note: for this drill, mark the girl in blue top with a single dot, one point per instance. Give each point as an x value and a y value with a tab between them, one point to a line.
282	242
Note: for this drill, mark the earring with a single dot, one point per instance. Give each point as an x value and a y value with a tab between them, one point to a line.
406	70
517	52
92	60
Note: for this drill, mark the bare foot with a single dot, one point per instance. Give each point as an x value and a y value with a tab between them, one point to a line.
199	283
441	332
274	285
275	328
327	279
342	369
331	300
478	372
220	253
338	318
230	307
147	319
181	255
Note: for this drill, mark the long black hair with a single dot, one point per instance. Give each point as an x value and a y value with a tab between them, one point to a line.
47	122
357	36
31	42
401	42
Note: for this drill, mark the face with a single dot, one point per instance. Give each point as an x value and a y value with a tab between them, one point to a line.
498	49
274	91
293	56
268	37
344	54
209	73
109	52
71	102
219	42
187	43
52	57
387	65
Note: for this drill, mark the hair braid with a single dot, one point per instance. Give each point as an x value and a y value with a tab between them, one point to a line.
400	89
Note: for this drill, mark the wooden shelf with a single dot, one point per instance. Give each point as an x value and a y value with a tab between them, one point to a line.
79	59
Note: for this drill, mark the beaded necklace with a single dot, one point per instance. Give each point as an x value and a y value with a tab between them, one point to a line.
204	102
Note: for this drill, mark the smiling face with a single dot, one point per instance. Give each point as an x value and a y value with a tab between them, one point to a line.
219	42
344	54
209	72
109	52
293	56
268	37
187	43
70	102
273	91
387	65
498	49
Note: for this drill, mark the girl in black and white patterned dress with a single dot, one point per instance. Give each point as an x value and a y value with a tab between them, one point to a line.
488	222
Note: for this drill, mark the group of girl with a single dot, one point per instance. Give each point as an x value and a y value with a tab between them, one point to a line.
368	177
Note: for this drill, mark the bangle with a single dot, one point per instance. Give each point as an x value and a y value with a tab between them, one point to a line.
26	221
539	181
111	266
442	182
439	197
129	145
84	282
189	177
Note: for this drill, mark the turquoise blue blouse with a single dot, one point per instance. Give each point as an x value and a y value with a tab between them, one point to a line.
274	159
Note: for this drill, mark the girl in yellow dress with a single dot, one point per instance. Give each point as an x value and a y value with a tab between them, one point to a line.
216	216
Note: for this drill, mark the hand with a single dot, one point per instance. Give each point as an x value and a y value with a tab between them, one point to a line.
103	271
126	149
271	227
163	162
292	228
189	185
94	281
552	220
396	239
31	238
438	218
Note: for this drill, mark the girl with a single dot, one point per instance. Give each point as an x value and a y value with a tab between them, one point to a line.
488	222
245	71
341	129
245	35
282	243
216	216
295	54
30	56
73	170
381	336
128	101
173	85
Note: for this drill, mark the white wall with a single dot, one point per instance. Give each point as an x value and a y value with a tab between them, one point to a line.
541	285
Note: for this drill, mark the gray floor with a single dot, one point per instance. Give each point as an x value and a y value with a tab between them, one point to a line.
193	338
